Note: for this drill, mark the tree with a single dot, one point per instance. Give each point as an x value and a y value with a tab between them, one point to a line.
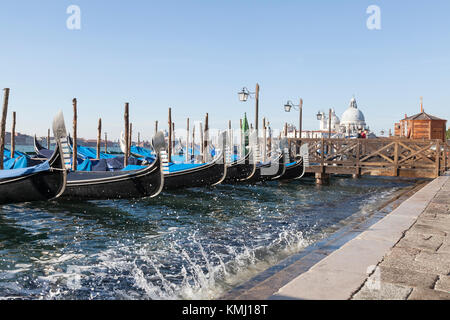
448	134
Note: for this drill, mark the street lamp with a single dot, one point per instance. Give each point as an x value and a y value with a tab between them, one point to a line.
243	97
319	116
288	106
244	94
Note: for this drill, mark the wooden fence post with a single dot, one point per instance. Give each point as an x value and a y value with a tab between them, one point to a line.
445	156
396	155
438	158
357	174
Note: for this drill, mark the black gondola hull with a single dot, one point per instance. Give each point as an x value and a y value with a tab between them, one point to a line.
107	185
40	186
207	175
239	170
293	172
265	173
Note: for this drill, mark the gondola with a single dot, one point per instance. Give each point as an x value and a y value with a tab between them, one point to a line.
297	168
200	175
44	181
267	171
188	175
104	185
241	169
294	170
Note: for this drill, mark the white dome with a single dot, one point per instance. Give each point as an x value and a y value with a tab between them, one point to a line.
353	116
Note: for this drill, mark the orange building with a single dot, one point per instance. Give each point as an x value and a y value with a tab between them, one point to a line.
421	126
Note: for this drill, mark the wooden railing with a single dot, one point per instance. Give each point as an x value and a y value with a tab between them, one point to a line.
382	156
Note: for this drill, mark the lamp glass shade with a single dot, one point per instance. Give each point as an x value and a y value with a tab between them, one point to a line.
243	96
319	116
287	107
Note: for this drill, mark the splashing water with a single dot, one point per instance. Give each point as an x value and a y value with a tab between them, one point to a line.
191	244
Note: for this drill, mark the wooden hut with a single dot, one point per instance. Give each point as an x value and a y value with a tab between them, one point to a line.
421	126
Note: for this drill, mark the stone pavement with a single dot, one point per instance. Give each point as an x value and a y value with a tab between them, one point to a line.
418	267
406	255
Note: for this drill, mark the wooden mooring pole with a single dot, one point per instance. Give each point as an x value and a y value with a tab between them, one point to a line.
3	125
99	137
206	136
130	136
106	142
75	147
13	135
322	178
170	135
193	142
265	140
201	142
187	141
48	139
127	128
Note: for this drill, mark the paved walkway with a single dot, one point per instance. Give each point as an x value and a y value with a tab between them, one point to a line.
406	255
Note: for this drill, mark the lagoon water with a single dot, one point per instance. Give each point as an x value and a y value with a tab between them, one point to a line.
191	244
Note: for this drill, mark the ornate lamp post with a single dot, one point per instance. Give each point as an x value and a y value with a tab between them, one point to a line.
243	97
288	106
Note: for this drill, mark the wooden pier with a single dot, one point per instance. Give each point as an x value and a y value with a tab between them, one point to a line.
395	157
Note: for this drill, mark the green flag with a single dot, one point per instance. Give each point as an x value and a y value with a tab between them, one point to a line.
245	131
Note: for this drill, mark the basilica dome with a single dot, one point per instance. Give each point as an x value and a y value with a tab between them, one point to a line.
353	117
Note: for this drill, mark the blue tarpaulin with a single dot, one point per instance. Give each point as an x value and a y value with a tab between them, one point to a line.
175	167
91	153
14	173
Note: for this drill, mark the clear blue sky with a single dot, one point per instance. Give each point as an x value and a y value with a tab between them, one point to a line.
196	55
